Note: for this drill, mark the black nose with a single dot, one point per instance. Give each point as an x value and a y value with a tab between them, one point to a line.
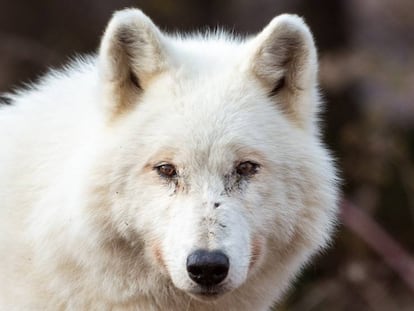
207	268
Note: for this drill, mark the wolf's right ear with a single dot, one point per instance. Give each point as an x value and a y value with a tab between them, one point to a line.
131	53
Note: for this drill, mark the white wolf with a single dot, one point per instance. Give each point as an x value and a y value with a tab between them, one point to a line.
166	173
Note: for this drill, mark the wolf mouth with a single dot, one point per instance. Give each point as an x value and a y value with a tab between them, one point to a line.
208	293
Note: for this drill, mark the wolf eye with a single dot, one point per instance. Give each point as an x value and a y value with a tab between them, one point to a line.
247	168
166	170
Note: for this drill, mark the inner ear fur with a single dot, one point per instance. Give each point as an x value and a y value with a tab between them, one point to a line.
131	53
284	60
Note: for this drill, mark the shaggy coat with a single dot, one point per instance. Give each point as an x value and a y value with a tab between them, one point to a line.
116	169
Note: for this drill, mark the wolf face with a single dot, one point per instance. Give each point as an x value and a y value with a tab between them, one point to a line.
215	163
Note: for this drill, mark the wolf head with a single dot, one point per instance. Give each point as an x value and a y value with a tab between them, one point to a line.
212	158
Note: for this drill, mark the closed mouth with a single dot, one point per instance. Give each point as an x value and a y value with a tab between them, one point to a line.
208	293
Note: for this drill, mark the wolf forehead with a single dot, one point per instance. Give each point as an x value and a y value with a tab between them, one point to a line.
197	136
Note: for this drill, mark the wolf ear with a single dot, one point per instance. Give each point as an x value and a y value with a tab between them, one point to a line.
285	62
131	53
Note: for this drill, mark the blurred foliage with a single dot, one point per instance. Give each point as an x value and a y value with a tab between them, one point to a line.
367	77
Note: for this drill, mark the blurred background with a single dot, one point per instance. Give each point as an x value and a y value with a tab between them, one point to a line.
366	51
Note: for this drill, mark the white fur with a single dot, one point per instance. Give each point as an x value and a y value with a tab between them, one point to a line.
86	223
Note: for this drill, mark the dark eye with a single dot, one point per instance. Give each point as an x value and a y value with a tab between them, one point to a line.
247	169
166	170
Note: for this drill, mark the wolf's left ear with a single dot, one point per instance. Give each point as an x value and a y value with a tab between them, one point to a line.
284	60
131	53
